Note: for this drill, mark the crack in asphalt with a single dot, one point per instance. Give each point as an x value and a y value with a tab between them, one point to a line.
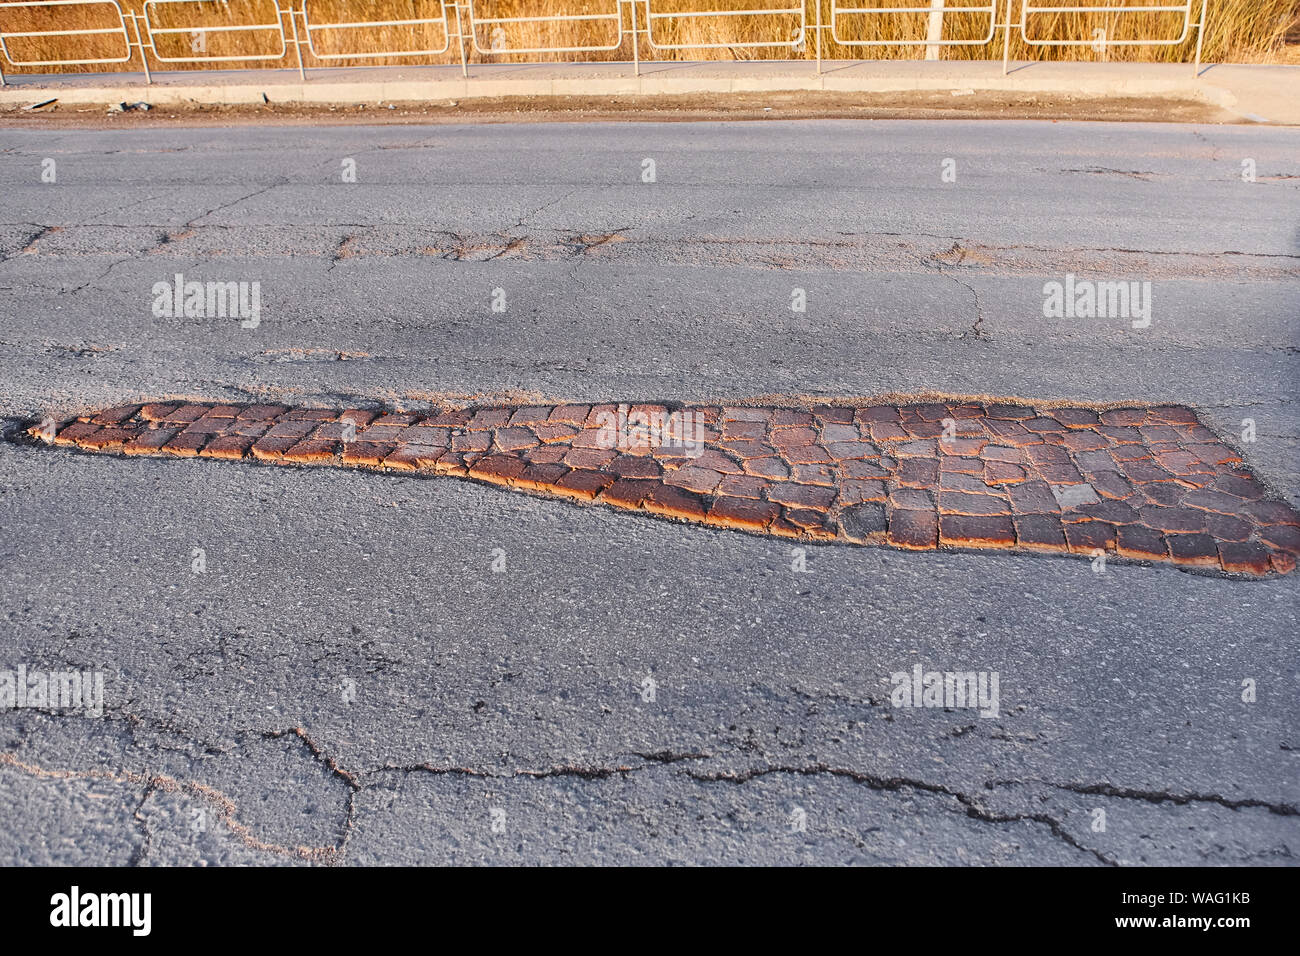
1159	796
974	809
283	181
396	239
356	782
935	262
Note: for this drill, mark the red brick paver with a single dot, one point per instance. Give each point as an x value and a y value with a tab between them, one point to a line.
1147	484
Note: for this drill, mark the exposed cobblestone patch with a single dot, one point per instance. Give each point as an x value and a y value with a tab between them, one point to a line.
1138	483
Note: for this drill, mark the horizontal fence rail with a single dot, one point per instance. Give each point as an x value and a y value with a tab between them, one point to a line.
760	15
6	35
178	31
199	31
325	27
1028	9
934	13
498	32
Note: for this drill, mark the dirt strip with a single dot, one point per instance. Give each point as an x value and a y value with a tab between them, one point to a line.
689	107
1147	484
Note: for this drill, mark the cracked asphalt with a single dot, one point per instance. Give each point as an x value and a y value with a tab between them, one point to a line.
372	668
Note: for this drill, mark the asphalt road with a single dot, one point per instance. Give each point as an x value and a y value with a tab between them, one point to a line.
348	680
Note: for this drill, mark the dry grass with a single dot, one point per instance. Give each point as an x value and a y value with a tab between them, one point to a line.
1239	31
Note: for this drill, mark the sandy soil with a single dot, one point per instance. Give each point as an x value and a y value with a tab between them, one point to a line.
694	107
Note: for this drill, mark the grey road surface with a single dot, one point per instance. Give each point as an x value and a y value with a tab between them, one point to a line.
347	679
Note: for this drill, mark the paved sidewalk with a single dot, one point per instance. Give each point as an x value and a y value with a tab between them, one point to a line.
1259	93
1148	484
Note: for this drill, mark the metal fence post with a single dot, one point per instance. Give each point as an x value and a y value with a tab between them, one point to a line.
297	43
144	60
636	38
1006	38
460	37
1200	37
818	29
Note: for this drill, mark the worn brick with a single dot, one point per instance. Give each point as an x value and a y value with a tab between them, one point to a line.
964	466
801	496
956	502
913	529
187	444
539	476
366	453
1228	528
231	447
863	468
1003	473
1013	412
1074	417
888	432
1139	541
498	469
471	441
1249	557
918	472
693	478
911	499
1039	532
743	448
807	523
115	416
1248	489
152	441
412	457
674	503
571	414
1085	537
976	531
1172	519
743	486
75	433
583	483
744	431
628	492
1281	537
876	413
1124	416
1193	549
742	513
1272	512
530	414
791	416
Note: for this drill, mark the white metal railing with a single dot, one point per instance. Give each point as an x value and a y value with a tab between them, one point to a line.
935	13
276	29
1027	10
610	15
119	30
716	9
475	26
309	29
